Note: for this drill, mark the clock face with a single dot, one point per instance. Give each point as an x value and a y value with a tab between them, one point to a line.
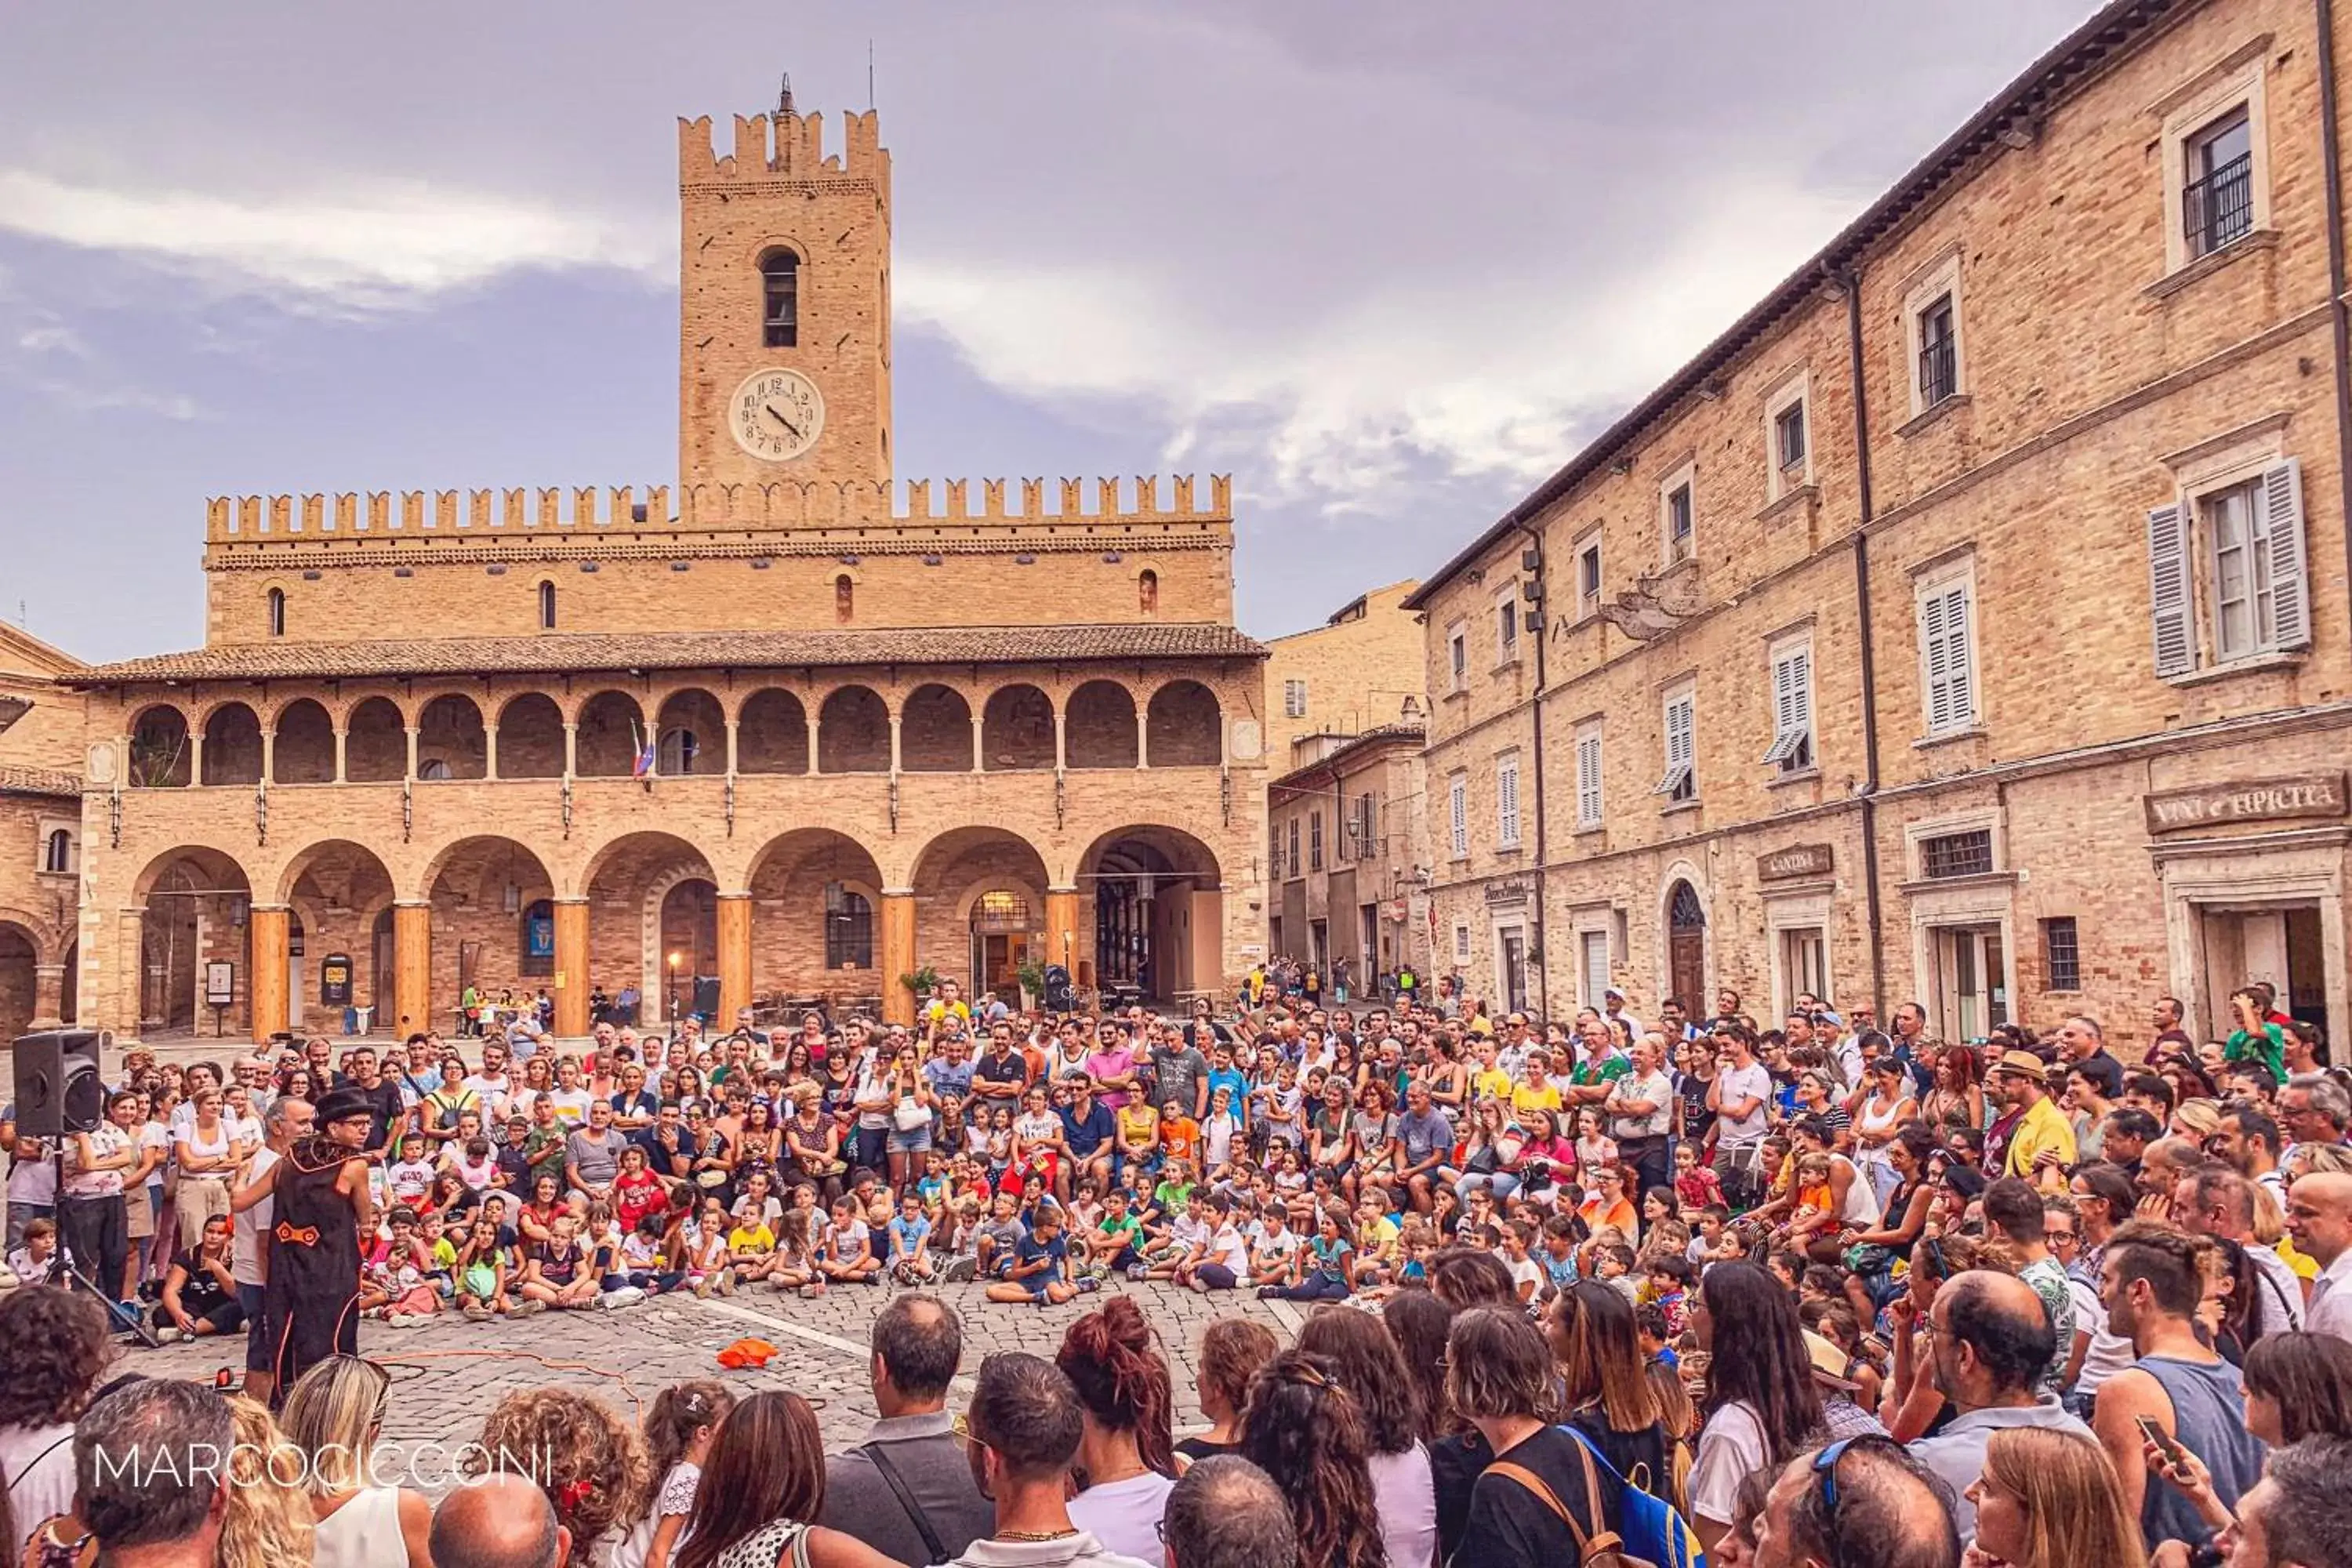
776	415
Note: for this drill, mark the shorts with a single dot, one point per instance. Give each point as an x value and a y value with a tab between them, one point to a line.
916	1142
137	1213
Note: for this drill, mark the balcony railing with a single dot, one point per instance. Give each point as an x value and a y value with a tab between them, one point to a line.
2219	208
1940	371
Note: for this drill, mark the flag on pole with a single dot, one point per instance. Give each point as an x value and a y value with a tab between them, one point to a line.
643	766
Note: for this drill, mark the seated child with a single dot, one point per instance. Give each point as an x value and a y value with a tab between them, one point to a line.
563	1275
795	1266
844	1252
999	1236
910	1239
1041	1266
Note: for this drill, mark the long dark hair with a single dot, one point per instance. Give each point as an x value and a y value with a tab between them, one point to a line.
678	1412
1369	1367
1758	1356
1121	1379
1599	1353
767	1462
2310	1376
1307	1431
1419	1320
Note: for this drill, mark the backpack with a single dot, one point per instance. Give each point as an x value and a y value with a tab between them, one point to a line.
1603	1548
1652	1526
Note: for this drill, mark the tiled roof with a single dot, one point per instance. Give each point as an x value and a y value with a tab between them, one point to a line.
37	780
680	650
1407	734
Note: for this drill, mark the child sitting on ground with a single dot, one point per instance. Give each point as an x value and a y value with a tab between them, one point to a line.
910	1238
845	1253
1041	1266
796	1265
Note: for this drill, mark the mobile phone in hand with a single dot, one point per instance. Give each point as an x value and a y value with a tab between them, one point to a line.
2165	1443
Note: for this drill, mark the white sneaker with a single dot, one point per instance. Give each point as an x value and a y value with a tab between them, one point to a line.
727	1281
170	1335
626	1296
702	1288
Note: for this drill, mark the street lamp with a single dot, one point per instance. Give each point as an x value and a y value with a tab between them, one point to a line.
674	959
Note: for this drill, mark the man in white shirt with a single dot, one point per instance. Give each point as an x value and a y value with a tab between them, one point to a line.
288	1120
1612	1005
2215	1201
1741	1091
2319	1219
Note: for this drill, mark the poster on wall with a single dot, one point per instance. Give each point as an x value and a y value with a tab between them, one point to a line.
220	984
538	935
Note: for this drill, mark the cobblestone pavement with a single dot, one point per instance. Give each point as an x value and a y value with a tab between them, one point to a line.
448	1373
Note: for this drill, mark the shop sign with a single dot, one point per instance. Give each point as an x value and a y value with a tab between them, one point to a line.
2250	800
1500	895
1796	860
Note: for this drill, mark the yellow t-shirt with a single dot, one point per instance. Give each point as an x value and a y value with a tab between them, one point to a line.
2044	1127
1493	1083
756	1239
938	1009
1527	1098
1378	1233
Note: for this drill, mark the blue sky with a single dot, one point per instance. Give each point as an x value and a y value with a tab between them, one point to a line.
1386	263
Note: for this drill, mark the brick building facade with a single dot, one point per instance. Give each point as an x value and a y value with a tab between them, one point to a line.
1970	621
1346	845
768	736
40	832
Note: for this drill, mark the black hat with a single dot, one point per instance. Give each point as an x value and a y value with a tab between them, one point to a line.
339	1104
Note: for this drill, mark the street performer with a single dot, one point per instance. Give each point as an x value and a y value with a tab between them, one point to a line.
320	1206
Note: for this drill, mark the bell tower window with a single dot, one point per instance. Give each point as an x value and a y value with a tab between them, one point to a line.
547	606
278	611
845	599
780	289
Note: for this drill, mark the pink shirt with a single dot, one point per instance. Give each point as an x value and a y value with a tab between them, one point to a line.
1111	1064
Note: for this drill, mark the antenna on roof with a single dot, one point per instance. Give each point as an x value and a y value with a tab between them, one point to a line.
784	97
870	74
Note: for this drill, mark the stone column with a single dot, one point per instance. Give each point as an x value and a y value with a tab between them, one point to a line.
489	751
571	967
412	753
897	953
812	752
570	750
412	970
49	996
1061	740
1062	929
269	756
196	756
266	933
1143	735
894	744
979	744
734	952
733	732
342	735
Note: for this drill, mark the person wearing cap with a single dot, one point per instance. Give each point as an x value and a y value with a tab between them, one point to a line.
1841	1415
2041	1143
1989	1339
1612	1003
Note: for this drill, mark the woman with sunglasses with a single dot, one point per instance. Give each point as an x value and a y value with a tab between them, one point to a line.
334	1414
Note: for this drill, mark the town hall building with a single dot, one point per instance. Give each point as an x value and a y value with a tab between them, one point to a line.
784	733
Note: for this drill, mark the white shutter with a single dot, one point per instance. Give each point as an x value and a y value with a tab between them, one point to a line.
1596	966
1931	639
2290	580
1956	633
1678	746
2167	590
1588	779
1458	803
1506	802
1801	681
1787	707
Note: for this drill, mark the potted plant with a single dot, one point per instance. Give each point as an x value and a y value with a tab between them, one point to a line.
923	982
1032	976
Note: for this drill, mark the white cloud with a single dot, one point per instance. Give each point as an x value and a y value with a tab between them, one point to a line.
373	246
1485	376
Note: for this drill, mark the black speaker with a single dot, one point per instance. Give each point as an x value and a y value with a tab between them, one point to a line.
57	1087
1058	997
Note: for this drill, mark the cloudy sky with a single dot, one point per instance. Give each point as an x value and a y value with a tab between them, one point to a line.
1388	263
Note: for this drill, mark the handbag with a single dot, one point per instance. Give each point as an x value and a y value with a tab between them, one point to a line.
909	1115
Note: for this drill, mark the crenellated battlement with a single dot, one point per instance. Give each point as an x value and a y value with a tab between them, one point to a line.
420	515
784	146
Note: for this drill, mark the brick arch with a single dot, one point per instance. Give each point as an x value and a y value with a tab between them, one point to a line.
530	738
600	856
603	748
302	742
373	753
1185	721
935	730
1099	718
850	736
1017	723
224	865
437	861
772	732
165	760
325	852
48	944
229	755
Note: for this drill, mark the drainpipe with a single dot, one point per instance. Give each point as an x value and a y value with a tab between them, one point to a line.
1876	910
2331	156
1543	636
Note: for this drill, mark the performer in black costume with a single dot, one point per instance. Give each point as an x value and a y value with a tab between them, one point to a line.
323	1208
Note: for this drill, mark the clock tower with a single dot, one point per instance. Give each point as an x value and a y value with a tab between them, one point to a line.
784	303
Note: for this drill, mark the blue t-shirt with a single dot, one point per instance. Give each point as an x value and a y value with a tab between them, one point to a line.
1031	1250
905	1236
1229	1078
950	1077
1560	1270
1084	1137
1331	1258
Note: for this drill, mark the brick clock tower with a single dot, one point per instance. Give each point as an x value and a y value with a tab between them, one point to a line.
784	303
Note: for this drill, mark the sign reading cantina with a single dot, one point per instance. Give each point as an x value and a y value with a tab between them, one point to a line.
2259	800
1796	860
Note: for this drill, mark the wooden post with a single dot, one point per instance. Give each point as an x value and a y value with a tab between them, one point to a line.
897	955
571	967
412	970
266	933
734	958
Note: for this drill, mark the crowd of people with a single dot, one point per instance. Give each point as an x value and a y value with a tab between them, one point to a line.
1798	1290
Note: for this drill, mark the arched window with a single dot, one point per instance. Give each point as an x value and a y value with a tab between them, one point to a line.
1146	592
58	852
675	755
278	611
779	293
436	771
848	929
845	598
547	606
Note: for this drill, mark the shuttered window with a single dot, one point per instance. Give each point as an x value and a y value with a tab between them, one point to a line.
1457	802
1595	944
1792	711
2239	550
1681	781
2167	591
1506	802
1588	778
1944	639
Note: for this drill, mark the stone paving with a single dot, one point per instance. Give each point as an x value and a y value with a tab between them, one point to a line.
448	1373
